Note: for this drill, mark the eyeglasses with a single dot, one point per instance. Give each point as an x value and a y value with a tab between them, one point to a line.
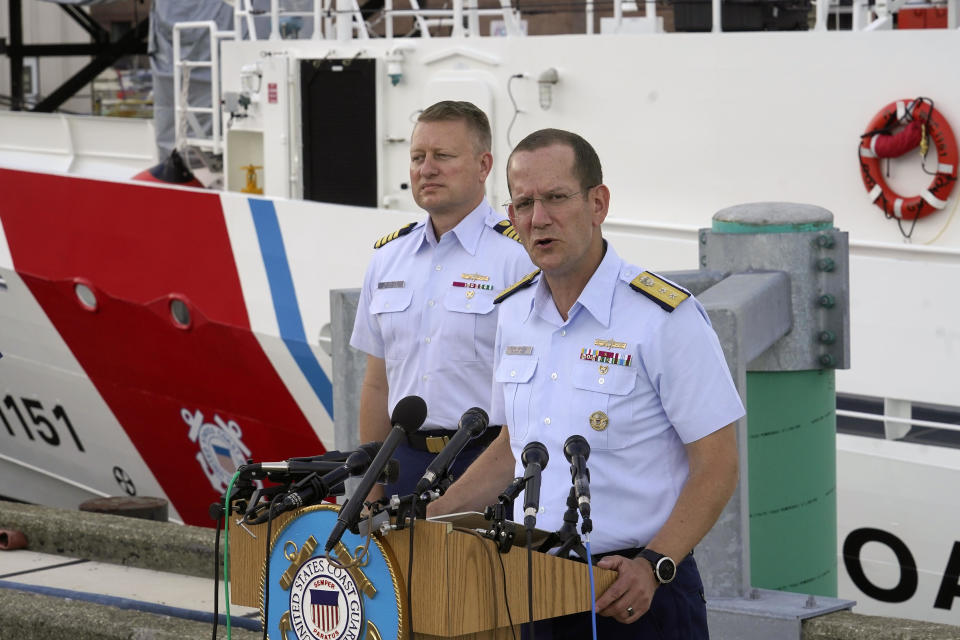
550	202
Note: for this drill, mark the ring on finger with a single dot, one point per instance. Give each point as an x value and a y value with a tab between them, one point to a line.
629	611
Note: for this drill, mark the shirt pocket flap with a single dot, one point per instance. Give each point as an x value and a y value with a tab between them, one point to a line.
390	300
617	381
457	300
516	369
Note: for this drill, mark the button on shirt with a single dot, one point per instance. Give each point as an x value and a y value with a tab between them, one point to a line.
427	309
634	380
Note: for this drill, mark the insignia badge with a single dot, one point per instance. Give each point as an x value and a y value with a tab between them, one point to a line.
313	597
519	351
471	293
603	369
475	276
608	357
391	284
221	447
613	344
599	421
473	285
665	294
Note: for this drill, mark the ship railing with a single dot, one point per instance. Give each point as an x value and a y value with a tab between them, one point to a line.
343	19
897	426
188	128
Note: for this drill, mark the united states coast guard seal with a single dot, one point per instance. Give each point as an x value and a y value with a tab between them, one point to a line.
351	596
325	603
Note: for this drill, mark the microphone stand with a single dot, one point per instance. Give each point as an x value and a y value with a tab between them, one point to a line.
567	535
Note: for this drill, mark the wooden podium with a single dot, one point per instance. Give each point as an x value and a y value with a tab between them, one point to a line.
458	585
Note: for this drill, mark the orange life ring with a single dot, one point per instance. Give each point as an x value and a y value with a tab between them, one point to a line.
933	197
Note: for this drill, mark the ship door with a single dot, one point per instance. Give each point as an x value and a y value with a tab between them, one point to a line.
338	99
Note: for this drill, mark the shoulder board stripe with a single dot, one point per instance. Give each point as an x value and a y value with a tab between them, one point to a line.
666	295
504	227
523	283
402	231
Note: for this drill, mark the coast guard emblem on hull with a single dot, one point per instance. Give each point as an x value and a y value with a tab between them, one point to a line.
221	449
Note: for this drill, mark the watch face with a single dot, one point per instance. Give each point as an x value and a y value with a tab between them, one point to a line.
666	570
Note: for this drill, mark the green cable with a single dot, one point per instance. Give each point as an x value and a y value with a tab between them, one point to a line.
226	548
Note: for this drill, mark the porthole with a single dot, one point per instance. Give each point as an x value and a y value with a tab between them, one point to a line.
85	296
179	313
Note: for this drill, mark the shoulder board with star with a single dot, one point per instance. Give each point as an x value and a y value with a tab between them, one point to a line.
505	228
664	293
523	283
390	237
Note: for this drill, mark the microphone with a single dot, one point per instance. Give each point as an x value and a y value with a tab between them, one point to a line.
472	423
534	459
291	466
407	417
313	489
577	450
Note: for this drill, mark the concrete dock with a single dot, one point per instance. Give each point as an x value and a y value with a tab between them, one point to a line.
87	576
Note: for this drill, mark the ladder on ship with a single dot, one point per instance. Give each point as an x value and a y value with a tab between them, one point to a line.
189	130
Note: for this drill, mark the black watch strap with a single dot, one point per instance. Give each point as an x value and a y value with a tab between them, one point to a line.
664	567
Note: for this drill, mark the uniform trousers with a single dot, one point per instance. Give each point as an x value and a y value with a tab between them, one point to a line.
414	462
678	612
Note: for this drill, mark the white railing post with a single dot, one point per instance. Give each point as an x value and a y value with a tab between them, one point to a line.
344	20
388	19
457	31
617	15
589	17
274	19
823	11
317	19
717	17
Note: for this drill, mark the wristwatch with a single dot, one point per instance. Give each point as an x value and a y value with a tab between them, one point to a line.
664	568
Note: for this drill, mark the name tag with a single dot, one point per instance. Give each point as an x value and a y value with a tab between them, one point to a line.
519	351
391	284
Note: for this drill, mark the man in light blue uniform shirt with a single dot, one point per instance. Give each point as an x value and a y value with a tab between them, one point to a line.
426	316
592	345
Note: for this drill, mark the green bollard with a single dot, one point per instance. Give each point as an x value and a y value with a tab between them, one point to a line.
791	418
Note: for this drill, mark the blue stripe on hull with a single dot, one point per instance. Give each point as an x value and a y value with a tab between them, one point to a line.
285	299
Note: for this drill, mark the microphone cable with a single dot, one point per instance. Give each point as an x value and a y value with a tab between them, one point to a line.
226	553
413	517
503	575
266	566
593	588
216	574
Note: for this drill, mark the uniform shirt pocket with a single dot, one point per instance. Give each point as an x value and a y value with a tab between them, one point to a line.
515	373
469	328
390	306
602	405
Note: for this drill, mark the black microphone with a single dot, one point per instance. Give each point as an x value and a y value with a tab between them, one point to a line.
291	466
407	417
577	450
472	423
313	489
534	459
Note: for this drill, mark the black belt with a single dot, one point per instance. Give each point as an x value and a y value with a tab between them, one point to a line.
434	440
630	554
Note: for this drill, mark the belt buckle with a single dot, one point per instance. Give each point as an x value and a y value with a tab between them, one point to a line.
435	444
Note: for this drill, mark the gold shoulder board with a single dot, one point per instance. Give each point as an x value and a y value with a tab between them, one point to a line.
667	295
504	227
402	231
523	283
